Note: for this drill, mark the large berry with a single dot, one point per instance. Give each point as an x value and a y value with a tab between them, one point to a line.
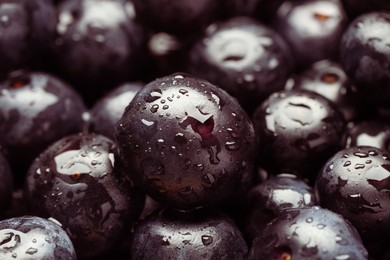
186	142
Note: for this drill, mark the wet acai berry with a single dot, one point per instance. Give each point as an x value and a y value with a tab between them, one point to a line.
34	238
76	181
36	109
244	57
198	234
268	199
186	142
107	111
297	131
313	29
309	233
364	54
355	182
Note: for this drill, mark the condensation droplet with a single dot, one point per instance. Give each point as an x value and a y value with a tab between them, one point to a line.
232	146
207	240
347	163
359	166
154	108
31	251
309	220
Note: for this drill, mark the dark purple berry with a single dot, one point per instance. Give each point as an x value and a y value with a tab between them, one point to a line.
31	237
199	234
76	181
354	182
186	142
364	54
297	131
247	59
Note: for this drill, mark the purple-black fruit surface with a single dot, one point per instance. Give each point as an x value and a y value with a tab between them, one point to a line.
313	29
297	131
308	233
354	182
36	109
107	111
6	184
175	16
27	27
270	198
76	181
98	44
365	56
369	132
186	142
31	237
198	234
328	79
244	57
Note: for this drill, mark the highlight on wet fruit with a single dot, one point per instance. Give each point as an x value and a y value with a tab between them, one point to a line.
186	142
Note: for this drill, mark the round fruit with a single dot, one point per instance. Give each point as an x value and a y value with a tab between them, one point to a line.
186	142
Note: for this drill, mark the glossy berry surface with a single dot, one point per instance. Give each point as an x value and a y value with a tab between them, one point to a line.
311	25
364	54
329	79
31	237
76	181
270	198
32	107
199	234
107	111
244	57
186	142
308	233
297	131
354	183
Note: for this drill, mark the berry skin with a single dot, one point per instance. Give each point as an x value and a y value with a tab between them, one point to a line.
198	234
364	54
186	142
354	182
308	233
297	131
244	57
31	237
76	181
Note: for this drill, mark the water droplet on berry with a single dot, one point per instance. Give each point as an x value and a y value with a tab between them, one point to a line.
154	108
347	163
359	166
31	251
232	146
207	240
360	154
